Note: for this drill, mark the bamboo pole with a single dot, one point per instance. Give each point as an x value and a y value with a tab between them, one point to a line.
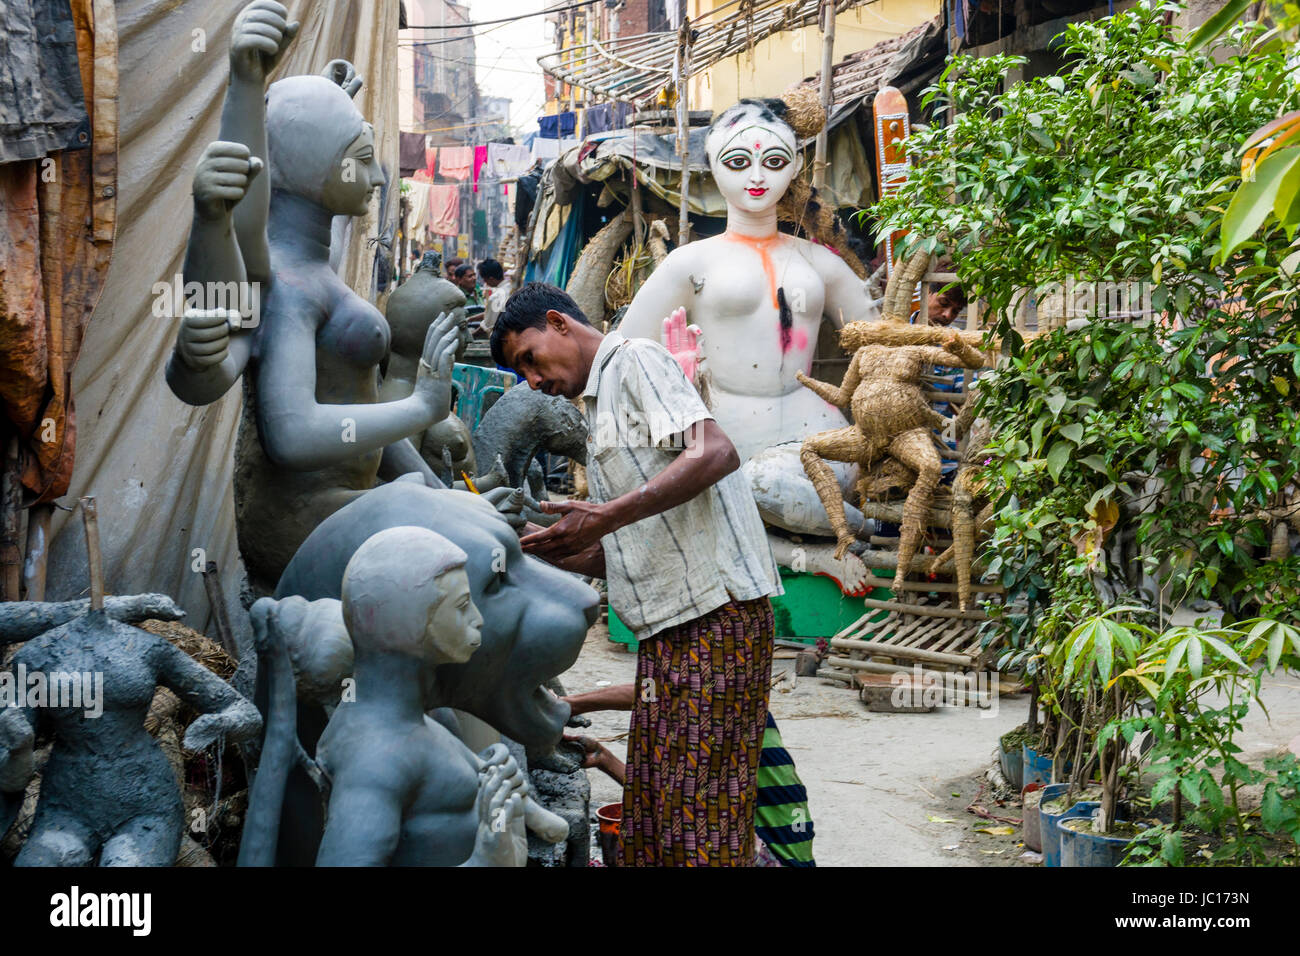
828	47
217	604
892	650
924	610
90	517
681	70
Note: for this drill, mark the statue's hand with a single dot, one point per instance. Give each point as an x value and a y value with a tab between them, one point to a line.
258	40
222	177
683	342
204	338
509	503
343	73
502	789
433	381
239	721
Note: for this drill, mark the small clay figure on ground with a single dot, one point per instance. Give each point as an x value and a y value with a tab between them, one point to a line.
108	794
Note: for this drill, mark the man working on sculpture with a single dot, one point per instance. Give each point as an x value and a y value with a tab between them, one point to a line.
672	526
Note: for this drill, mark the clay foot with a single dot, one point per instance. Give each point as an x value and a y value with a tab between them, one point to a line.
848	572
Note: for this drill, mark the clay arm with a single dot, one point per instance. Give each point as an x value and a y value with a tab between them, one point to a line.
667	290
846	297
364	826
222	711
839	397
17	737
23	620
401	458
301	434
957	352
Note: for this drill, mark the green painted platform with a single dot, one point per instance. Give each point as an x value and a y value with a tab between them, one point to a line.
811	607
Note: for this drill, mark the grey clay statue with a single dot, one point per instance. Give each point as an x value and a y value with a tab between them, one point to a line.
404	790
107	791
314	434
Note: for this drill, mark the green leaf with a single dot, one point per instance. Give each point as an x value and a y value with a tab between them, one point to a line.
1056	83
1096	463
1253	201
1058	458
1217	25
1194	659
1074	432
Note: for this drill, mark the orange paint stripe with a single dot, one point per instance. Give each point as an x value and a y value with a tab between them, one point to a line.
760	246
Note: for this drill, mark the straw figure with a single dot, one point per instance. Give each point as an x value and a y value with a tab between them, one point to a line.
967	491
892	418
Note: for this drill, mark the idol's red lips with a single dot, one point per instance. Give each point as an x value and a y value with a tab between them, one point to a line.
756	191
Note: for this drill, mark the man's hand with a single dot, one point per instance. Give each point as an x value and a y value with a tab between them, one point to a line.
259	38
582	527
683	343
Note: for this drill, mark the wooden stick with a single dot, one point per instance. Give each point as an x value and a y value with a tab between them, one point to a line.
217	603
90	517
925	610
893	650
827	13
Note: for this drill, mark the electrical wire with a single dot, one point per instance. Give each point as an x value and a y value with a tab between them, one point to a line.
514	19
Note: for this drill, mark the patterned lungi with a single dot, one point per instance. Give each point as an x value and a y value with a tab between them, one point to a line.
697	731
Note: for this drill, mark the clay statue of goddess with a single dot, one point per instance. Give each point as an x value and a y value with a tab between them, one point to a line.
313	435
404	790
759	296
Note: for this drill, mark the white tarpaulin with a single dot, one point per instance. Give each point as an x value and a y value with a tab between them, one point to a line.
161	469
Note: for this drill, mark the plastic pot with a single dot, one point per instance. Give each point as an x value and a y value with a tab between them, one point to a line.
1049	839
1037	768
1012	766
610	817
1085	848
1030	831
1083	808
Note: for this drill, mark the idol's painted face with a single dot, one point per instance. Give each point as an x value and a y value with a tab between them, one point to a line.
753	164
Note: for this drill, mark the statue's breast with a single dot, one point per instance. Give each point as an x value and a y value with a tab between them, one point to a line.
355	331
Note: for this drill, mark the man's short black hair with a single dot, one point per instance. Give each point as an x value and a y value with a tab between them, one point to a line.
491	269
463	271
526	309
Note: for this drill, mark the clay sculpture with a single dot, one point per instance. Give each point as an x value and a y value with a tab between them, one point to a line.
524	422
760	297
108	794
892	417
314	434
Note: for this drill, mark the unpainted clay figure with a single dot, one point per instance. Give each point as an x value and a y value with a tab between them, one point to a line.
759	297
108	794
404	790
314	434
411	309
892	417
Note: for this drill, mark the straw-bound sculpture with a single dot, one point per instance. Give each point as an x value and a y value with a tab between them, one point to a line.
892	418
967	492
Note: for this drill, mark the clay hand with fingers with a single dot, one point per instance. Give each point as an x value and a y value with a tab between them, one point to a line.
683	343
204	339
433	380
344	74
222	177
581	526
261	34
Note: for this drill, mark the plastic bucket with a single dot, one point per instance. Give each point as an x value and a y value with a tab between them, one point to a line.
1083	808
1048	838
1085	848
1012	766
1030	831
610	818
1037	768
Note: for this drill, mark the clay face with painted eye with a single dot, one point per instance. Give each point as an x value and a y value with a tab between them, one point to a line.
753	164
357	175
454	626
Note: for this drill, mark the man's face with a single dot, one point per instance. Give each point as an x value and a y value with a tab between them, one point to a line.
942	309
548	359
466	281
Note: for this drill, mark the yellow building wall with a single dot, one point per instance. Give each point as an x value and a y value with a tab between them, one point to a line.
786	58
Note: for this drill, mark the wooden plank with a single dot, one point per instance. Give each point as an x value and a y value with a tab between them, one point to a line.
911	653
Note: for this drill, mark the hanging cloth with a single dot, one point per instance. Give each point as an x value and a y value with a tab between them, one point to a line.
417	200
430	162
444	209
480	160
508	161
410	150
454	162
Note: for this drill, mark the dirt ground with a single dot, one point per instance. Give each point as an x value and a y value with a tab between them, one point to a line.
893	789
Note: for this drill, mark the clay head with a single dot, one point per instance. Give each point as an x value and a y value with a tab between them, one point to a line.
752	154
535	617
404	591
320	146
431	261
